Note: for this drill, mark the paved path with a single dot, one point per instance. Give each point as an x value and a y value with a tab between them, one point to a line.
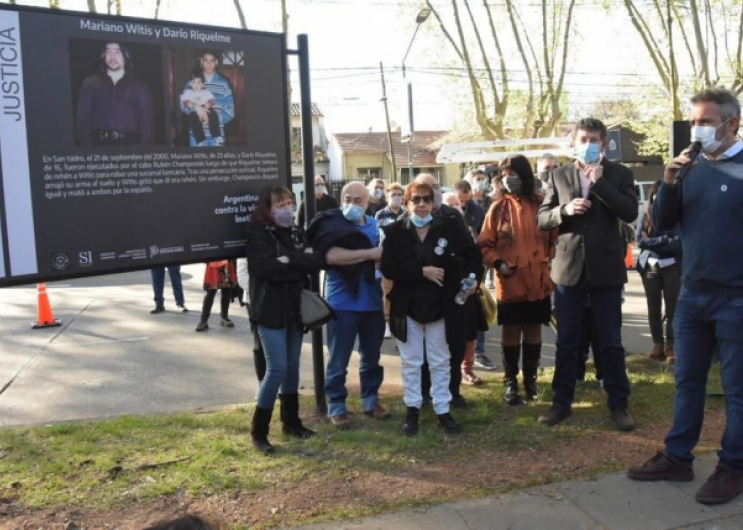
112	357
613	502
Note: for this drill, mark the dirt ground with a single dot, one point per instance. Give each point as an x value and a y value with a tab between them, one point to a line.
481	473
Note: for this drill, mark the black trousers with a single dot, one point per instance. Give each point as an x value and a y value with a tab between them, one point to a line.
661	284
457	349
206	308
589	342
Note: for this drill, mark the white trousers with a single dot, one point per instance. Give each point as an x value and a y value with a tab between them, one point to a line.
411	358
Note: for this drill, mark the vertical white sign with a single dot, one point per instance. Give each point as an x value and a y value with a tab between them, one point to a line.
18	206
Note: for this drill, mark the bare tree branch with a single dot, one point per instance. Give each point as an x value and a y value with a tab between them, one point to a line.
157	9
708	9
701	48
444	30
503	71
530	97
485	60
692	58
240	14
658	61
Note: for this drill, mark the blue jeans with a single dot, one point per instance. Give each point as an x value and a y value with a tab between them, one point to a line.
480	343
158	284
703	327
342	332
606	304
282	348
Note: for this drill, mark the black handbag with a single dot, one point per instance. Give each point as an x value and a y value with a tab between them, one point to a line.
314	311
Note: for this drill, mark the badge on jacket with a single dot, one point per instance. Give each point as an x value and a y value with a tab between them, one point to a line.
439	251
443	243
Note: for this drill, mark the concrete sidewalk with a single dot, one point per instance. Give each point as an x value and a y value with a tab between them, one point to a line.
613	502
111	357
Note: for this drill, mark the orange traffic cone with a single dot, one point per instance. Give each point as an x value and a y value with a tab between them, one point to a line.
629	260
46	317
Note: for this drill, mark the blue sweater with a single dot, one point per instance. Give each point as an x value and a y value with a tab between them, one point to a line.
708	206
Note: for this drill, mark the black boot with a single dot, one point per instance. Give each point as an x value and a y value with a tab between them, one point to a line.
259	430
410	427
291	425
510	357
532	354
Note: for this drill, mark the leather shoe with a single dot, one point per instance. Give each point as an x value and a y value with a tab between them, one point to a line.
670	354
660	468
378	412
449	424
657	354
555	415
410	427
458	402
622	420
341	421
158	309
723	486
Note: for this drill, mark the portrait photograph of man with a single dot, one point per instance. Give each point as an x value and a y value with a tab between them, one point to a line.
117	93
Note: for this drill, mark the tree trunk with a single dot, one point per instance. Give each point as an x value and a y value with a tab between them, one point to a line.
91	5
157	9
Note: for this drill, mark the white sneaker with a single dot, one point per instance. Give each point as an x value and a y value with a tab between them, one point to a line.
387	332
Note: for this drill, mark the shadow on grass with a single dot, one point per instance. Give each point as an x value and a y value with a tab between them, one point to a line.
104	464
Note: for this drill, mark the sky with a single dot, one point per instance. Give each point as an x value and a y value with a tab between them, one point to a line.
349	38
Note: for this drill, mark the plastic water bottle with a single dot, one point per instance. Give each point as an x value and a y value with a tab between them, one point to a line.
467	284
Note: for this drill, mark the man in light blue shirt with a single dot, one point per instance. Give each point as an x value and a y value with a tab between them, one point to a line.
359	313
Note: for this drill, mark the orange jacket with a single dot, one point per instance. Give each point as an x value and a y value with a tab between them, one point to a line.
511	234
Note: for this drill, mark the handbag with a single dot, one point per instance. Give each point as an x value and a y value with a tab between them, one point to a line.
314	311
489	305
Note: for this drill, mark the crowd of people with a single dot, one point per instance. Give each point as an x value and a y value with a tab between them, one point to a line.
409	263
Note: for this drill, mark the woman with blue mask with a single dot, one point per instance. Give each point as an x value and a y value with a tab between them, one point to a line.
427	258
377	200
279	265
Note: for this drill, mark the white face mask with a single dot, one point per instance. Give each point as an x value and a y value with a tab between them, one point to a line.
396	200
707	136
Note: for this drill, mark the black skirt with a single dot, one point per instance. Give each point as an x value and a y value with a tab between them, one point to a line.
538	312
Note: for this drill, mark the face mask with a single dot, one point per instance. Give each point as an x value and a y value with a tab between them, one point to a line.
481	186
352	212
588	153
420	222
544	176
513	185
438	198
395	200
707	136
320	190
283	218
379	194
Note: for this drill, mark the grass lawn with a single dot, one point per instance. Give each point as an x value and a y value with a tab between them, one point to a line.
114	465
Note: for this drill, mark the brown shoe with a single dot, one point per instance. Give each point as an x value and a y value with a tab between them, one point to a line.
378	412
670	354
657	353
555	415
341	421
723	486
660	468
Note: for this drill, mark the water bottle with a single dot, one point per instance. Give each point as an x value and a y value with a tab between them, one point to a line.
467	284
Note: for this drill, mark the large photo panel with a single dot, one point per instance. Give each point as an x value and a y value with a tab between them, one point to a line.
127	144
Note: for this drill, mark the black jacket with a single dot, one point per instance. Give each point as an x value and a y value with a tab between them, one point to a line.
331	229
474	216
276	288
460	257
592	241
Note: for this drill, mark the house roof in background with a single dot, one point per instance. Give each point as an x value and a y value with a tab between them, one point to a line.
376	142
296	110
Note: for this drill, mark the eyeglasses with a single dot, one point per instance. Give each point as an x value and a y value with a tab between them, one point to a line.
417	199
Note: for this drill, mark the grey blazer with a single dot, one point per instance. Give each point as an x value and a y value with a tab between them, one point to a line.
592	241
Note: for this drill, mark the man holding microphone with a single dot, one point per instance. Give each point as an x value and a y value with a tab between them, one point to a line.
708	204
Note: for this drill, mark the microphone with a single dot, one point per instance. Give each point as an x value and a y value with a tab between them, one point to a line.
694	149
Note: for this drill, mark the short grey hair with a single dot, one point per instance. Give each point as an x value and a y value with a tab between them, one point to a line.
373	183
728	102
549	156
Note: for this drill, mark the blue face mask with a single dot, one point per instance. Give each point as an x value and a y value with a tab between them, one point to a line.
589	153
352	212
420	222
